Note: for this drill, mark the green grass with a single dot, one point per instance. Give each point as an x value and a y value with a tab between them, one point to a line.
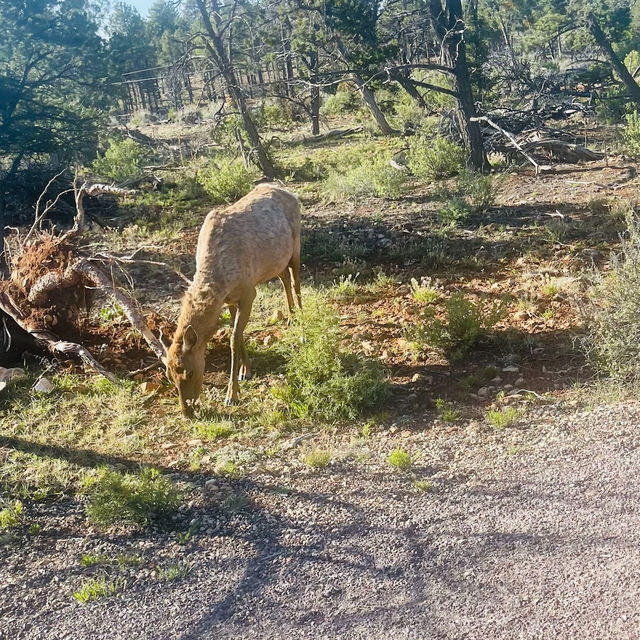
318	458
211	431
400	459
423	485
92	559
174	571
97	588
11	516
136	498
501	419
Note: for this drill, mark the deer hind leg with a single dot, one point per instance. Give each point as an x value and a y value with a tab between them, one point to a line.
285	278
238	352
294	267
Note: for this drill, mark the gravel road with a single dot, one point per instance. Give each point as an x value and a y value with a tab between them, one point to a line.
528	532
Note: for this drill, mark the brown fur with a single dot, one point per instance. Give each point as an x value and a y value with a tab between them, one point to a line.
254	240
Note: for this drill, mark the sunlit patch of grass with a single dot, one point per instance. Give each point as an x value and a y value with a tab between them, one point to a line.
215	430
97	588
318	458
501	419
173	571
400	459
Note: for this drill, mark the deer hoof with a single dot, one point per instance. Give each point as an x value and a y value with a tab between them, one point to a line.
229	402
244	376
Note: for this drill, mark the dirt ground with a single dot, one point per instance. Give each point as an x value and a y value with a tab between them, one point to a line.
529	533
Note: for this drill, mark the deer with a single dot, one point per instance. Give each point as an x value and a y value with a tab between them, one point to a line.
252	241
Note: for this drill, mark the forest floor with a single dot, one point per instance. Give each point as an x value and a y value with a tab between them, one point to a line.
523	527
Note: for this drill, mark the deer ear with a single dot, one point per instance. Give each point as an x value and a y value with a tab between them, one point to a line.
189	339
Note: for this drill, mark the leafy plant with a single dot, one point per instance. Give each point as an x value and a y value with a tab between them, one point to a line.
121	162
372	178
400	459
477	189
323	381
454	212
139	498
464	325
446	411
318	458
11	516
435	158
613	311
226	181
631	135
423	291
97	588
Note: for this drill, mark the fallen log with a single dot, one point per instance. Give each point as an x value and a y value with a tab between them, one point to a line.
333	133
564	151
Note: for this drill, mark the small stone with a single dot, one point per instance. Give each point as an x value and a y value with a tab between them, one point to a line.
211	486
268	340
483	392
511	369
496	380
417	377
519	382
44	385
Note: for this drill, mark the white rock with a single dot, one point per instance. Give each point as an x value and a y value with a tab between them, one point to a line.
14	374
3	385
519	382
511	369
483	392
44	385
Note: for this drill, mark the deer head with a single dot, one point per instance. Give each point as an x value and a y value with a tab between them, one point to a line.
185	368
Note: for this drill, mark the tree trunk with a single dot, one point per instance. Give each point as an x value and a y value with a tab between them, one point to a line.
616	63
215	47
449	25
315	93
367	96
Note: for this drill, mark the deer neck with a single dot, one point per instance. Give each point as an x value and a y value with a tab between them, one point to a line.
200	312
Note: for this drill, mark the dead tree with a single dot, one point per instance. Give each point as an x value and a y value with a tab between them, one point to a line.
220	54
603	42
448	24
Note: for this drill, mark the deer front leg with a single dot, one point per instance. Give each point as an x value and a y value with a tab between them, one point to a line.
237	345
245	364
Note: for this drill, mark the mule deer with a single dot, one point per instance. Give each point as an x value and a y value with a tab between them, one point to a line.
254	240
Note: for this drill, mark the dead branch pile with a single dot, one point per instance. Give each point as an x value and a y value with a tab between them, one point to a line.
50	288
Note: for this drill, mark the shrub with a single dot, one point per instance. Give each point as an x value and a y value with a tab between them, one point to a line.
400	459
477	189
435	158
344	100
423	291
454	212
613	312
371	178
318	458
121	162
465	324
322	381
226	182
631	135
138	498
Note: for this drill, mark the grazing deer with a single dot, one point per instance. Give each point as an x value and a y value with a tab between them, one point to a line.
254	240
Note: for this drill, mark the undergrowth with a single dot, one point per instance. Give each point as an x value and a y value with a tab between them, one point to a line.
322	380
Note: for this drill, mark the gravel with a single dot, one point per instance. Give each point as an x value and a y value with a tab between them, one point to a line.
528	532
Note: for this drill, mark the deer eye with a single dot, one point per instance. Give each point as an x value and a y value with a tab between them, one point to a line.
189	375
179	370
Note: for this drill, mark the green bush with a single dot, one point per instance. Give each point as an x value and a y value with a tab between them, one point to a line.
322	381
344	100
400	459
454	212
372	178
435	158
138	498
477	189
226	182
121	162
613	312
631	135
465	324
